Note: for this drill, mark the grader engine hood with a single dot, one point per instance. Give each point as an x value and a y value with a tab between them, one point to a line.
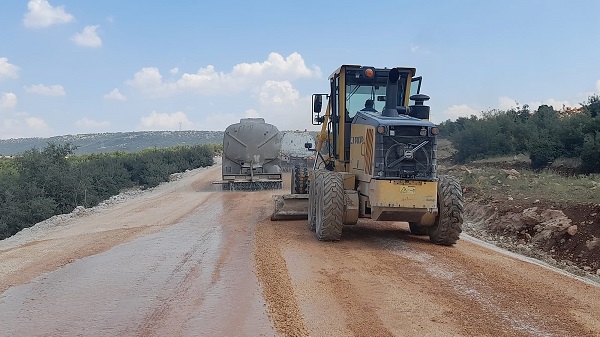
404	147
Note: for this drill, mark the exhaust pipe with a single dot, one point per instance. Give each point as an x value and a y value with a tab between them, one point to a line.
391	94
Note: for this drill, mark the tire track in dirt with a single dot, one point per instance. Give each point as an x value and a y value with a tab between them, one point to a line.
381	280
55	255
522	296
277	287
169	312
363	317
489	297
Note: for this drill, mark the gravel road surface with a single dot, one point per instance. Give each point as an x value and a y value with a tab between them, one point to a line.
184	259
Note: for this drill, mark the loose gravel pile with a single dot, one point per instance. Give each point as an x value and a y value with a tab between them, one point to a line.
278	290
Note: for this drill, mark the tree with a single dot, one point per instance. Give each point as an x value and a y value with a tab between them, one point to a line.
592	106
590	154
544	148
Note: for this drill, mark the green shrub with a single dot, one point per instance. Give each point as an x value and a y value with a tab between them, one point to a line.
51	181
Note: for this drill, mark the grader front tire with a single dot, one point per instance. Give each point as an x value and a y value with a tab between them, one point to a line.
312	200
447	227
330	206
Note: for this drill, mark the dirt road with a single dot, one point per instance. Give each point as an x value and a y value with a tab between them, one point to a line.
186	260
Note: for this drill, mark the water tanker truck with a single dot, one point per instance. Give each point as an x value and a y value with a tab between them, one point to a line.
251	156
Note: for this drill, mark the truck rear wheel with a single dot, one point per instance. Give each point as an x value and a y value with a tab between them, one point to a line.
447	227
330	206
300	177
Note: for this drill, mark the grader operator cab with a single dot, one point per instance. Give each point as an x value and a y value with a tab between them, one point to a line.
376	158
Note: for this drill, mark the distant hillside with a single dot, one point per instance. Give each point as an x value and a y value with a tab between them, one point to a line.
113	142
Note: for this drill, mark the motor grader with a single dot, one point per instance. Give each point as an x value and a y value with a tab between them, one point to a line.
375	158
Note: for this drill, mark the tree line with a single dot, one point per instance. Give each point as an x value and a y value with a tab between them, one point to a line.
44	182
545	134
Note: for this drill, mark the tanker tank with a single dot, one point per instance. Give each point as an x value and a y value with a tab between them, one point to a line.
294	151
251	156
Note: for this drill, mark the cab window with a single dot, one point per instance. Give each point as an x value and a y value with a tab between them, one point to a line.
357	95
415	88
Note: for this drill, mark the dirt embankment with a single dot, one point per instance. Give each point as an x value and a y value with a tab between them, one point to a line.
565	234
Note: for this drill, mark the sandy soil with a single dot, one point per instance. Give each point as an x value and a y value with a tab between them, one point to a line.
185	260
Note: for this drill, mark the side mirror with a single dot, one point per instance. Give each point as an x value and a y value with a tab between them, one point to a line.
317	100
317	103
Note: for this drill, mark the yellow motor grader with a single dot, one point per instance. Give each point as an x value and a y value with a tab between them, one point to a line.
375	158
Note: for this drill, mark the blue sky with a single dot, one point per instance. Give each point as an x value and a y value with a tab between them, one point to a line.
83	66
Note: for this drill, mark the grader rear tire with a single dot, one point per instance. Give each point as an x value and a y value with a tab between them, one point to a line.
330	206
300	179
447	227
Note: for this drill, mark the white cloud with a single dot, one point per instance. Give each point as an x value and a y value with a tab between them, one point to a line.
277	66
8	101
280	104
461	110
8	70
36	123
279	93
40	89
24	127
149	81
507	103
15	124
88	37
414	48
174	71
86	123
208	81
598	86
41	14
219	121
556	104
115	95
251	113
165	121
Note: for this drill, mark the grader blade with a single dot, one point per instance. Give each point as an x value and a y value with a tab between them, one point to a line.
290	207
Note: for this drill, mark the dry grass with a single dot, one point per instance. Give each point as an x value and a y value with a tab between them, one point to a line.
520	158
532	185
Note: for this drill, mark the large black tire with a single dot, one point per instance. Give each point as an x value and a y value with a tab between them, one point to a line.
312	200
448	224
417	230
300	177
330	206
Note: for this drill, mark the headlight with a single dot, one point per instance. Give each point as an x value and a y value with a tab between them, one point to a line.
435	131
381	130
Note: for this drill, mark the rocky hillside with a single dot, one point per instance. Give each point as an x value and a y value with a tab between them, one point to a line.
113	142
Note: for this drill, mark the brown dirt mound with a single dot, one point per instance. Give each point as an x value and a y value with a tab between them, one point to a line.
568	233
